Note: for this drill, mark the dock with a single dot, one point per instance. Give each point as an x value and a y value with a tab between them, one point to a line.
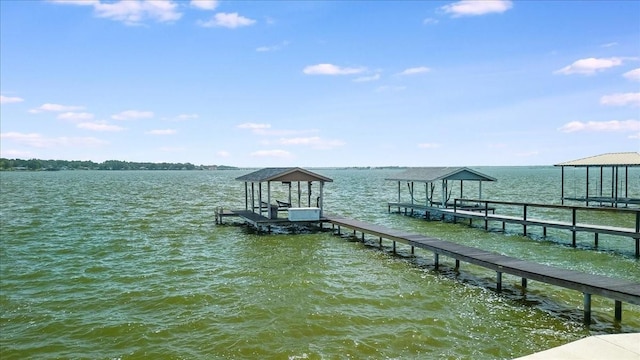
485	210
618	290
260	222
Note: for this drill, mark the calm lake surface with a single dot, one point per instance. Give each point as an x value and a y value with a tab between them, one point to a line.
130	265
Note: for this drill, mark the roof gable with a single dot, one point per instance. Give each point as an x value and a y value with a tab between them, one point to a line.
283	174
430	174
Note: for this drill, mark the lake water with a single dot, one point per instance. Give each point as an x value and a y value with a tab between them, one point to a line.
130	265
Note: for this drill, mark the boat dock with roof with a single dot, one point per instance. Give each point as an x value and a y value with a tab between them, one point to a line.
615	195
262	210
440	205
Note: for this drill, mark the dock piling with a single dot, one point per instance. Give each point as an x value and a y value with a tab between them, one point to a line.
587	309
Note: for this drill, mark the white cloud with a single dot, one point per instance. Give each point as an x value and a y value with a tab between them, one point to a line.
132	12
415	70
477	7
39	141
589	66
132	115
633	75
601	126
227	20
10	99
75	116
368	78
271	153
99	126
314	142
330	69
272	47
635	136
223	153
428	146
76	2
54	108
205	4
161	132
632	99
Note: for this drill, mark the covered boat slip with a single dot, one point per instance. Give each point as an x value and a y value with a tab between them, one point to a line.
434	196
263	203
608	174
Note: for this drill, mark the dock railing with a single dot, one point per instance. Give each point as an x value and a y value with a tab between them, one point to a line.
527	214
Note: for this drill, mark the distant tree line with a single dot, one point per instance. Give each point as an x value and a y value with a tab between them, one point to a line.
53	165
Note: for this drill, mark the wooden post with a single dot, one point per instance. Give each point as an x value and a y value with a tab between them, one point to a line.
486	215
637	231
362	236
398	197
380	242
498	281
573	227
618	311
524	217
562	186
596	239
394	247
457	265
246	195
524	283
586	197
436	260
587	309
412	250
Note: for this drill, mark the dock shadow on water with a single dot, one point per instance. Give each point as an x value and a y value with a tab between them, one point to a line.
130	265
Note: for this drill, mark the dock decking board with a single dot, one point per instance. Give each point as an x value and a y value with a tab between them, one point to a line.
619	290
526	221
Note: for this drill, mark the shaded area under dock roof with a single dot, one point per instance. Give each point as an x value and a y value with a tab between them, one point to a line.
429	176
617	192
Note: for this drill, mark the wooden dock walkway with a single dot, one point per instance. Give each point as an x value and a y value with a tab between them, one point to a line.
485	210
612	288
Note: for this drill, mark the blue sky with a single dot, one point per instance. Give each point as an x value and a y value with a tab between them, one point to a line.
338	83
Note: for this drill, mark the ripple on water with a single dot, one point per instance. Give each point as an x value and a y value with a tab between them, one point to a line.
130	265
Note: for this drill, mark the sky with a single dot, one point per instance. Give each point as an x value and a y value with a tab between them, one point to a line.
319	84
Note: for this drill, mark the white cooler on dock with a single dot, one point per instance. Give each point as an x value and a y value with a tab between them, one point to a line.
304	214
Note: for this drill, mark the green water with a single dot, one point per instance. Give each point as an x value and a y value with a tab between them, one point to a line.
130	265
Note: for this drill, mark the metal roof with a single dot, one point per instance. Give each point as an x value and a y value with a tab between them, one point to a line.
609	159
430	174
283	174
